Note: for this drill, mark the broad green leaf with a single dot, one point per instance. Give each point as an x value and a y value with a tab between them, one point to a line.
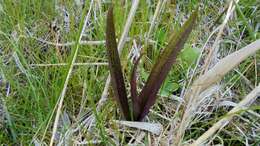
189	55
168	88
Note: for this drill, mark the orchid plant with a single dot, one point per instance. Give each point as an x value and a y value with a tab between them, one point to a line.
143	101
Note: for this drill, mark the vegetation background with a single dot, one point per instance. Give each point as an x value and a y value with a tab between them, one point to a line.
53	63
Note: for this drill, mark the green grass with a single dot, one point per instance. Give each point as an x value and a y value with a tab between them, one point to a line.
34	91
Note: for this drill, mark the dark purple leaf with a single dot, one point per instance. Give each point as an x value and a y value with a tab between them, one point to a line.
117	79
134	94
163	65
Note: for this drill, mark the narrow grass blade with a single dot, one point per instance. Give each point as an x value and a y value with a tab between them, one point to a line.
164	64
117	79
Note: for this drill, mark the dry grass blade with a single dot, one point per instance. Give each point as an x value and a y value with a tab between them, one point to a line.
156	14
115	66
154	128
213	49
128	24
101	42
250	98
65	64
224	66
164	64
208	79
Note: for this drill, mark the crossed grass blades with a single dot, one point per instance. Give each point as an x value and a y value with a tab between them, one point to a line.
143	101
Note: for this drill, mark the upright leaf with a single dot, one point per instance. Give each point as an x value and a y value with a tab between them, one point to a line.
164	64
133	90
117	79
